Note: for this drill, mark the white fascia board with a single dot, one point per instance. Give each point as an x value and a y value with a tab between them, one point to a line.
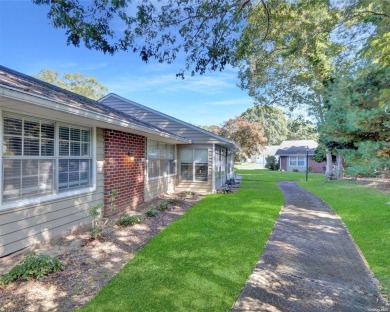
216	136
42	101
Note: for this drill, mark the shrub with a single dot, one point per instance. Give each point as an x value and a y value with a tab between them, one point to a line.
152	212
295	170
33	266
175	201
163	205
271	163
127	220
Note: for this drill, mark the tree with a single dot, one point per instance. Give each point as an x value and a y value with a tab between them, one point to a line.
77	83
273	119
301	129
357	123
248	135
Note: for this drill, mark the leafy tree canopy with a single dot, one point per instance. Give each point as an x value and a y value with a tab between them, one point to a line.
273	119
77	83
248	135
357	123
301	129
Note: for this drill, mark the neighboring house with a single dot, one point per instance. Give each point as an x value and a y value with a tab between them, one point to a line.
202	166
260	159
64	153
292	156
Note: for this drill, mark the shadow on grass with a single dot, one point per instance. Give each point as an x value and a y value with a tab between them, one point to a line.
200	262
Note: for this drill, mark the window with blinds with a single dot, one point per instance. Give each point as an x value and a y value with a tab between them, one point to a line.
37	161
161	159
194	164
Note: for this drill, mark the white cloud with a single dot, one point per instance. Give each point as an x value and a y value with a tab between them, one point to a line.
231	102
168	83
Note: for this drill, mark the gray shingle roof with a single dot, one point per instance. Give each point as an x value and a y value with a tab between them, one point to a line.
16	80
296	147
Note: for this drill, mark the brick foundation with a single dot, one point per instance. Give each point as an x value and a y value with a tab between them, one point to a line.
120	172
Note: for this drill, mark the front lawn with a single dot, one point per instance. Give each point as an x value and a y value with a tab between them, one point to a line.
201	261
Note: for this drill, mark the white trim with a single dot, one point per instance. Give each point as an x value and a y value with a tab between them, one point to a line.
213	169
1	158
42	101
57	194
169	117
297	165
44	199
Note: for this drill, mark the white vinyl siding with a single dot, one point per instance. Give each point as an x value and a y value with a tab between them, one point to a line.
297	161
161	159
42	157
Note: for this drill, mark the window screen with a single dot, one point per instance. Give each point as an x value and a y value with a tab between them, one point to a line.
31	166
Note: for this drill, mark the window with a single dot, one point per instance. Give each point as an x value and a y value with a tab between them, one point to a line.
194	164
297	161
38	162
161	159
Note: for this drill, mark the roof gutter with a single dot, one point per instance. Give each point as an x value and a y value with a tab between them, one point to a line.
24	96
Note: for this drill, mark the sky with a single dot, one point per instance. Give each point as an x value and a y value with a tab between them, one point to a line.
29	44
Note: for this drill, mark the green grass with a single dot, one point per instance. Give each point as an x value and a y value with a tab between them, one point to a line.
367	217
201	261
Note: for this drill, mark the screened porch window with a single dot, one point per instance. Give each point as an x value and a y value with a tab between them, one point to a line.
161	159
194	164
37	161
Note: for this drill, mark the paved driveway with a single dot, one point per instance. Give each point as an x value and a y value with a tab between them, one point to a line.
310	263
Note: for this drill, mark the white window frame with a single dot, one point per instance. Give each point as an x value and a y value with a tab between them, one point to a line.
194	163
57	194
296	160
160	175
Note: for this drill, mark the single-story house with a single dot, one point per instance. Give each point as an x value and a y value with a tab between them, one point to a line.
260	159
204	165
64	153
293	154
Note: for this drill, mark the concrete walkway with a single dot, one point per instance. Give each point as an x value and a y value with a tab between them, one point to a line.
310	263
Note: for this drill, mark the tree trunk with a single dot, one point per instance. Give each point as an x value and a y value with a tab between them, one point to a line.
339	166
329	164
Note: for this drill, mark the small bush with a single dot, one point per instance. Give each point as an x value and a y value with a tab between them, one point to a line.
295	170
272	163
310	169
163	205
127	220
175	201
224	189
33	266
152	212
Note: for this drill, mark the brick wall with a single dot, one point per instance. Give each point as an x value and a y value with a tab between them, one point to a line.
120	172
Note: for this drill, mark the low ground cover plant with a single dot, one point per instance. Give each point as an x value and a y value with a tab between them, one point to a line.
126	220
33	266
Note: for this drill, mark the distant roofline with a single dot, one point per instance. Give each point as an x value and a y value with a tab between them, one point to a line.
169	117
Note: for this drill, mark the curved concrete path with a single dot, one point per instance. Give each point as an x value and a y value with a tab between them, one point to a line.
310	263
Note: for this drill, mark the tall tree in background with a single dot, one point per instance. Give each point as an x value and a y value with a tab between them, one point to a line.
248	135
301	129
273	119
290	53
77	83
357	123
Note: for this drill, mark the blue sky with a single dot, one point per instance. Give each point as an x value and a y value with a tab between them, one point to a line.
28	43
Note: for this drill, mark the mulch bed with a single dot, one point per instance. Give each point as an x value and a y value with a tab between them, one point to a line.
90	264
